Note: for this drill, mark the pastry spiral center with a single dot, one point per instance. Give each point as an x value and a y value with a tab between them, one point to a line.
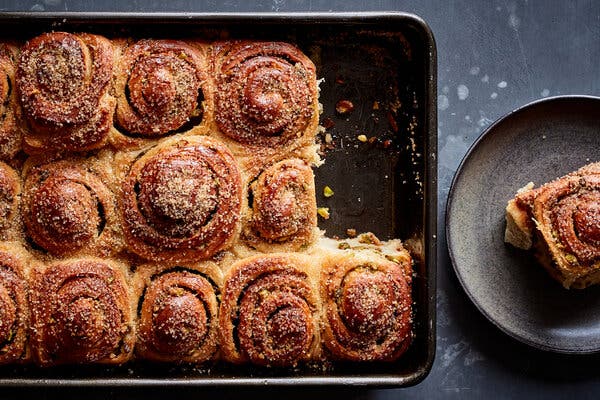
157	84
178	195
367	302
85	321
262	98
587	222
278	212
67	211
287	329
60	68
277	327
181	322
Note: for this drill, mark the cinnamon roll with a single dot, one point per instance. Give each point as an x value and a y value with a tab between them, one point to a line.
82	313
562	221
14	304
10	132
182	200
269	312
367	306
177	312
68	208
10	192
282	211
63	81
267	102
162	87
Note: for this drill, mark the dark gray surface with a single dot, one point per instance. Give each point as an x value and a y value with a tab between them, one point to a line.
505	54
507	284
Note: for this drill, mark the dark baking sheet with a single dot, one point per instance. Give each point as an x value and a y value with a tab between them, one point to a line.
388	188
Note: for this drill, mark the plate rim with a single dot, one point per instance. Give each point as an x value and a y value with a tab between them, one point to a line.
448	211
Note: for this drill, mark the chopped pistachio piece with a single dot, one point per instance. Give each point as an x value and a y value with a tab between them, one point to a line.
393	258
323	212
327	192
571	259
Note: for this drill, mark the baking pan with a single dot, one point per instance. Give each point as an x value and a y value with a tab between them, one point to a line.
385	64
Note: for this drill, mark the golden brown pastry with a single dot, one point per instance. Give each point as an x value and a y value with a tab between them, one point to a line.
10	131
68	209
10	192
193	163
182	200
82	312
63	83
367	303
269	312
282	209
178	312
561	219
14	304
162	86
519	225
266	104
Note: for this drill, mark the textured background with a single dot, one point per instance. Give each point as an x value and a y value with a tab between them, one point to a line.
493	56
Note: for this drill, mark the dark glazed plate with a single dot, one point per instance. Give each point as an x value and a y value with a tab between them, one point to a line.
388	58
536	143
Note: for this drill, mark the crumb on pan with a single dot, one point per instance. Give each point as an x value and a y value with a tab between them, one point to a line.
344	107
323	212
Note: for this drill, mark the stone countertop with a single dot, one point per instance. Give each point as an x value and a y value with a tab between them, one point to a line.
493	56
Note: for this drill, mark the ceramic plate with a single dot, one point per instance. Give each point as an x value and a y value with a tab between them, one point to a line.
538	142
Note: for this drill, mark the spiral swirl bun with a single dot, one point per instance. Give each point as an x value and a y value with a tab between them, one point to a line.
283	212
178	313
567	212
267	102
367	307
10	190
268	312
10	132
161	87
14	305
68	209
63	81
82	313
182	200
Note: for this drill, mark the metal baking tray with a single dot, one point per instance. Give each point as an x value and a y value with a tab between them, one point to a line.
385	64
